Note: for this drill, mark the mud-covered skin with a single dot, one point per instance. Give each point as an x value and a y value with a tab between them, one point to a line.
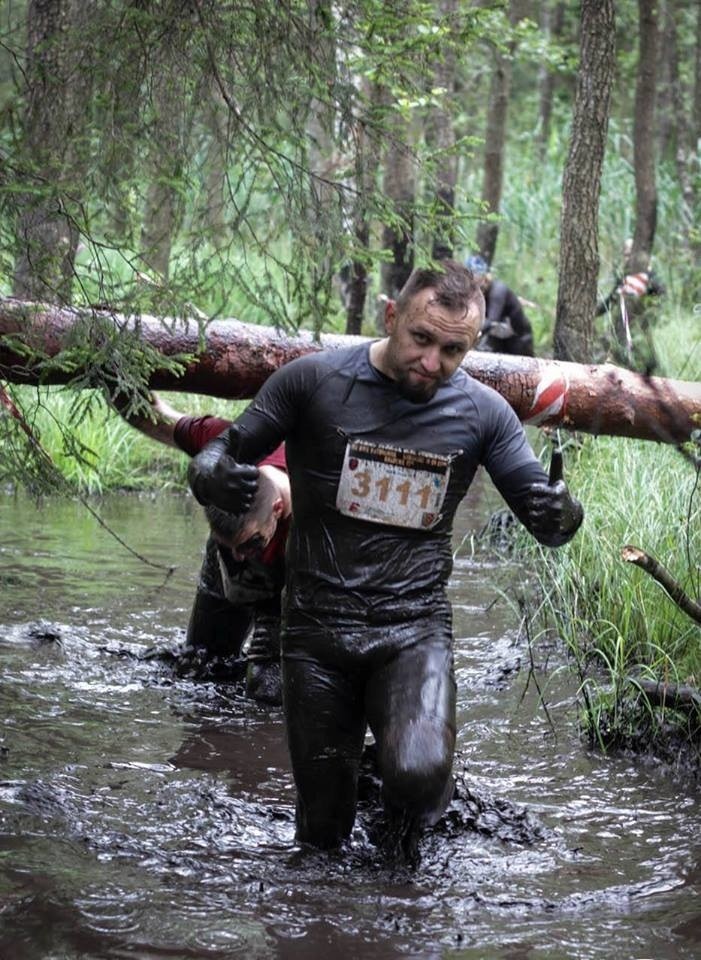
367	633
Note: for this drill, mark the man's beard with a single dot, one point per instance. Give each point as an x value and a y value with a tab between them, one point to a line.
417	392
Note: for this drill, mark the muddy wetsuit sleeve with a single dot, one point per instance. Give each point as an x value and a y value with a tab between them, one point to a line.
254	435
217	628
218	623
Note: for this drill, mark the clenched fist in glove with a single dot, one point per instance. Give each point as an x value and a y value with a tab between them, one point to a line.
216	478
553	515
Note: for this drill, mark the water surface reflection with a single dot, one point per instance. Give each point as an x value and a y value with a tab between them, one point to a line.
151	817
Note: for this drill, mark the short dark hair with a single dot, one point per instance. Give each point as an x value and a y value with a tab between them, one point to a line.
455	286
225	526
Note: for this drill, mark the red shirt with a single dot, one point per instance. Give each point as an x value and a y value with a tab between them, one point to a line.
193	433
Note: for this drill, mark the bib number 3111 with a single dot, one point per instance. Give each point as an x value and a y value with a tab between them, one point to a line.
383	484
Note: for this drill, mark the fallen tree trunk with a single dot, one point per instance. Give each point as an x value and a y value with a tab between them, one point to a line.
231	359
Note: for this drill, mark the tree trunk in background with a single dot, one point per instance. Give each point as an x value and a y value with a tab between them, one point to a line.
399	188
696	113
679	135
233	359
440	136
552	21
366	157
495	138
122	115
166	151
58	82
643	137
212	212
581	187
665	120
323	200
494	152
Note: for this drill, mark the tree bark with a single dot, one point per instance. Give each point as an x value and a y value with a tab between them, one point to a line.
673	696
212	213
552	20
399	187
233	359
696	132
495	139
323	209
674	128
644	137
58	80
440	135
581	187
355	277
659	573
167	148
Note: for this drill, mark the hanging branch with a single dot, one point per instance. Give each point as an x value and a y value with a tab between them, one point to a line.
8	404
655	569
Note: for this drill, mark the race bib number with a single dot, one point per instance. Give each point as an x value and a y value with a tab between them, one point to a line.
404	488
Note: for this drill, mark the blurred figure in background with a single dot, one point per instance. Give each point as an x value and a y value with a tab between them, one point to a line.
631	307
506	328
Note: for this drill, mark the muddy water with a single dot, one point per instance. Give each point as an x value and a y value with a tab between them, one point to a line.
142	816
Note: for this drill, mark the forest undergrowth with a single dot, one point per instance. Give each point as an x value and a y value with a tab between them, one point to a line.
619	625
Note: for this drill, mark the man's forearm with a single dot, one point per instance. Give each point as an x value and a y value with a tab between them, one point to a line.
158	424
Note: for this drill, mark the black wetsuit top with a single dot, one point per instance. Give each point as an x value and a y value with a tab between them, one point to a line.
317	404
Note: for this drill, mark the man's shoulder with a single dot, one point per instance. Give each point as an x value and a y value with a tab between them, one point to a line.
330	358
483	403
346	357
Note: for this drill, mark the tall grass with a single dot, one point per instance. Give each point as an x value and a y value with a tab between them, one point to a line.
95	450
619	623
645	495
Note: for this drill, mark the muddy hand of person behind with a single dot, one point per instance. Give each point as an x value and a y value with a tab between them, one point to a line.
216	478
554	515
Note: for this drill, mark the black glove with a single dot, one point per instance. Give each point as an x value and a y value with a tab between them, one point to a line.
216	478
553	515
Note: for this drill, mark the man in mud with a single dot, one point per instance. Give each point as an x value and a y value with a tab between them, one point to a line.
383	440
243	570
505	328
